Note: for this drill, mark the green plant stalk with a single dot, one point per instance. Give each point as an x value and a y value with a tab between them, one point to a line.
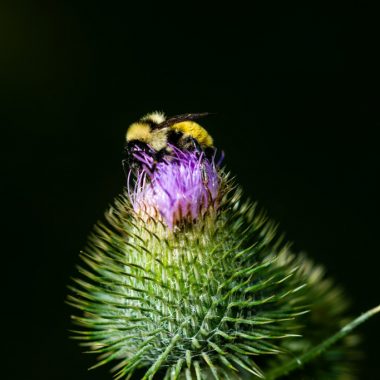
300	361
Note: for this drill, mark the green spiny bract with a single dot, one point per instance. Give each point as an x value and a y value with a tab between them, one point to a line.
327	313
219	297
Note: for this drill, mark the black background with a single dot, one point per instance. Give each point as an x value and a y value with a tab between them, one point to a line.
295	89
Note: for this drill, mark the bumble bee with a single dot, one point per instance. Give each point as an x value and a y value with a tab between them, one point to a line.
156	134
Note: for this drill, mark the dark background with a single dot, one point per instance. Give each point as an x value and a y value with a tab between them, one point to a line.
295	88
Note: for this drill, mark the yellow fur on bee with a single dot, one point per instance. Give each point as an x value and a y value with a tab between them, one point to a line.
138	131
193	129
157	117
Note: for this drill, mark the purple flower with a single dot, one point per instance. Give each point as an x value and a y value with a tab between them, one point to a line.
181	187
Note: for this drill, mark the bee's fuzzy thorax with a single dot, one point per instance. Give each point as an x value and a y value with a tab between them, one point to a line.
156	117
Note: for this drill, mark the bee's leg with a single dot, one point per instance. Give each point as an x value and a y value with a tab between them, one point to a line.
129	163
137	146
193	145
126	166
158	157
137	155
153	166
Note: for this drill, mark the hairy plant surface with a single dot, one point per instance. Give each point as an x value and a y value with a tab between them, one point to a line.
185	279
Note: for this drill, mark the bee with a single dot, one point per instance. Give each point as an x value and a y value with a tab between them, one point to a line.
156	135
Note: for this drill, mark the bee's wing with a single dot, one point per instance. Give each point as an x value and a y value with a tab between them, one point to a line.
179	118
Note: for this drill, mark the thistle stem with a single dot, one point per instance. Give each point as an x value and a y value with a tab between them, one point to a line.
314	352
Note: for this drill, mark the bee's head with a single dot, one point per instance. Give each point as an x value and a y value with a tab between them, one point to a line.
143	136
142	129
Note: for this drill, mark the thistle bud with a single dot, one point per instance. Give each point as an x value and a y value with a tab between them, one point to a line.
185	279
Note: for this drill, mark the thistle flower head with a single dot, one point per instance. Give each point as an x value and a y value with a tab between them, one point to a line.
215	299
180	188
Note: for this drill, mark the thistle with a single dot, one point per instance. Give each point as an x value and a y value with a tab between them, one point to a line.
186	279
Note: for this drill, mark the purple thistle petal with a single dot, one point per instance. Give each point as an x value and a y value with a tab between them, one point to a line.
183	186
